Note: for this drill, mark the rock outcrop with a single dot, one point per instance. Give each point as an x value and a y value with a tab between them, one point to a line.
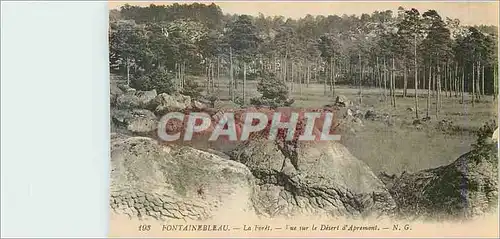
137	113
164	103
134	121
276	178
172	182
133	99
466	188
342	101
322	179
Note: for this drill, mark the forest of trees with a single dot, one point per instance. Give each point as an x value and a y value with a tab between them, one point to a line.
158	46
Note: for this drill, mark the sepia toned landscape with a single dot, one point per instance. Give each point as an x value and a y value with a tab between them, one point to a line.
414	94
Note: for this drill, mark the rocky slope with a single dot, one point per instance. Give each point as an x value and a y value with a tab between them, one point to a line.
466	188
197	181
322	179
169	182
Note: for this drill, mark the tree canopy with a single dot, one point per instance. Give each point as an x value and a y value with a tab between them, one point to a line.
157	36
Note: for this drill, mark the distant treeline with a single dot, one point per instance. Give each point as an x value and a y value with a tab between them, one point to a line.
382	49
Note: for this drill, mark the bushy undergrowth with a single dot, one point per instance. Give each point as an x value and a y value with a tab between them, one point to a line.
159	80
192	89
274	92
485	133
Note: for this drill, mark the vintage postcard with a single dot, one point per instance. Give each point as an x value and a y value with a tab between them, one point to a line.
303	119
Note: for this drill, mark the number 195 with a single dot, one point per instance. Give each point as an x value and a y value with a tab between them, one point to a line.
144	227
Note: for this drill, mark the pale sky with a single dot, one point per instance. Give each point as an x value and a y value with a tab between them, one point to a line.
469	12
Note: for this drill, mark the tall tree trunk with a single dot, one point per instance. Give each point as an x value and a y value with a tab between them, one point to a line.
438	89
440	78
183	73
360	79
213	77
390	75
231	75
285	76
482	79
282	70
416	78
178	71
308	75
244	81
429	91
393	80
451	77
179	75
325	81
372	77
451	80
385	80
291	78
473	83
177	82
377	76
183	79
478	89
316	72
207	74
405	81
285	68
179	68
128	72
495	82
218	73
330	75
447	80
434	85
445	77
463	85
210	76
333	78
301	77
422	79
275	64
456	77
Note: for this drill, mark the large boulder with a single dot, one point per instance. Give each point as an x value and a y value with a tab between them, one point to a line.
466	188
164	103
136	121
196	104
342	101
313	179
136	99
172	182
